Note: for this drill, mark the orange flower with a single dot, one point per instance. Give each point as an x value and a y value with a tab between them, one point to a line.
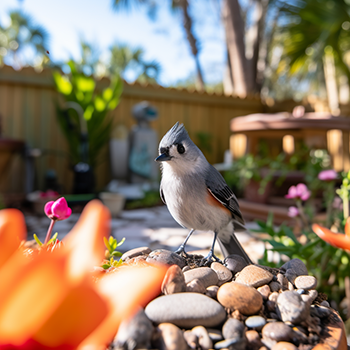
338	240
52	302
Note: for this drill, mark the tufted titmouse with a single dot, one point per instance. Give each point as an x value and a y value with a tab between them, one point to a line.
196	194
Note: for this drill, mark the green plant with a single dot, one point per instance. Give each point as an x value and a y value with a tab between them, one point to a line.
151	199
95	104
329	264
111	252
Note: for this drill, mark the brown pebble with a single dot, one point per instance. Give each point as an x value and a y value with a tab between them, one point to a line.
174	281
224	274
273	296
264	291
212	292
283	345
270	306
236	296
196	286
277	331
170	337
135	252
290	286
205	274
254	341
191	339
254	276
204	340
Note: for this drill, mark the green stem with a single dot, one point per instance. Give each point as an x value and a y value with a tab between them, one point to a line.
302	214
49	231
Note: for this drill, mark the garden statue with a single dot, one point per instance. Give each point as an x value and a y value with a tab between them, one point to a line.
143	144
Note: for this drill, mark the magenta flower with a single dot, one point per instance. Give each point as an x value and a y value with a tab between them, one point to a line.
58	210
293	212
328	175
300	191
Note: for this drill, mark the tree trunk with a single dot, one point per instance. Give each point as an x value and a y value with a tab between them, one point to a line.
254	38
187	22
234	30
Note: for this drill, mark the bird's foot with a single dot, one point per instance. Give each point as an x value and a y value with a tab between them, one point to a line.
181	251
207	260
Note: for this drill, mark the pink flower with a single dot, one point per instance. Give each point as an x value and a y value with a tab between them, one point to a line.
58	210
293	212
328	175
300	191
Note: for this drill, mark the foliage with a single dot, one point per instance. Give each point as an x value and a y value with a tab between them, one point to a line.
95	104
263	168
330	265
111	252
150	199
19	38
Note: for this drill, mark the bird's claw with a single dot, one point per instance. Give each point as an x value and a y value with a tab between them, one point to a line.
207	260
181	251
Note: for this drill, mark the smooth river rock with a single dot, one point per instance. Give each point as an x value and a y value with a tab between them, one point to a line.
174	281
186	310
167	257
277	331
291	307
306	282
254	276
206	275
224	274
135	252
237	296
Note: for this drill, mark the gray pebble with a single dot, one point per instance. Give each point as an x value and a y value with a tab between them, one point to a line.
134	333
231	344
255	322
320	311
233	329
325	303
191	340
306	282
215	335
300	291
235	263
310	297
297	265
186	310
212	292
166	257
195	286
275	286
290	307
205	274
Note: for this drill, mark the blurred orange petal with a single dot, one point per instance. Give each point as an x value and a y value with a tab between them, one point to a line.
85	241
338	240
127	289
12	231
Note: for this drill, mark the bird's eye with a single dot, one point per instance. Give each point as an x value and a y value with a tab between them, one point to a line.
180	148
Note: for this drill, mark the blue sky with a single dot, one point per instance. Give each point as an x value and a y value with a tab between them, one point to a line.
164	40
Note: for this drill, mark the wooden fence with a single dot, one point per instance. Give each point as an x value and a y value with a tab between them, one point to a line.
28	113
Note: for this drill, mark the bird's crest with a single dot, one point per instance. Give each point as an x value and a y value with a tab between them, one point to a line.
175	135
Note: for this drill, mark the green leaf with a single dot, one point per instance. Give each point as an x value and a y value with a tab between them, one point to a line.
100	104
106	266
84	83
107	243
115	253
121	242
62	83
37	240
88	112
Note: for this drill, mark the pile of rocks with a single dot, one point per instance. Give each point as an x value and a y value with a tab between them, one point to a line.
226	306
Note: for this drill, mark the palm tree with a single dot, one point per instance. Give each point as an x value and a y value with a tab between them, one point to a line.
183	6
316	34
19	37
124	58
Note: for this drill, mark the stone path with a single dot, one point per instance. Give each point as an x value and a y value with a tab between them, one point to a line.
153	227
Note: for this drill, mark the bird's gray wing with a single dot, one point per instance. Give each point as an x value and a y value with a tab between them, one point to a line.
162	194
217	186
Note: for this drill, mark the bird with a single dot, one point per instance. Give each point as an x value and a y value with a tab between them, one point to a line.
196	194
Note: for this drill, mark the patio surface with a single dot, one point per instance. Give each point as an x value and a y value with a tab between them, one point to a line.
153	227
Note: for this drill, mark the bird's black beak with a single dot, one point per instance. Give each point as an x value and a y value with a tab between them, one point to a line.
164	157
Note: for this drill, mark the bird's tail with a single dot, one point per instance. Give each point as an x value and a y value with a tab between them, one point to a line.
230	245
